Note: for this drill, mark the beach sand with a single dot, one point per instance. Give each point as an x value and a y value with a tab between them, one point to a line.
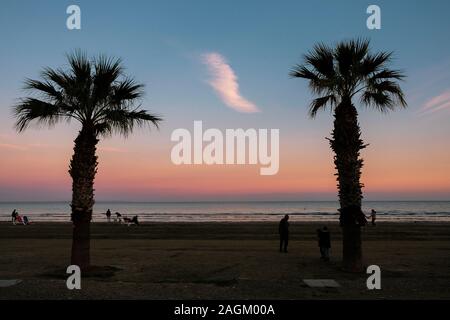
224	261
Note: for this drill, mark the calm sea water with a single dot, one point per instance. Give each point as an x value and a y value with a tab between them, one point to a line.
232	211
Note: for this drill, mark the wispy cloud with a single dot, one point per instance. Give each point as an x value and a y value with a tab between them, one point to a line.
28	146
437	103
39	145
12	146
20	147
224	81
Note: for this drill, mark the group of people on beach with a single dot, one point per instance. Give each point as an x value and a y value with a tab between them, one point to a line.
323	236
16	218
119	218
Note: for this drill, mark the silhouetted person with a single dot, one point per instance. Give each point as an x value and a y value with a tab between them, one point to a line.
324	243
373	216
118	217
26	221
131	221
135	220
319	236
108	215
14	215
283	230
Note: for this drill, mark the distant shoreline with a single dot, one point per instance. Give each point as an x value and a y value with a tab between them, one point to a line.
153	223
210	201
232	211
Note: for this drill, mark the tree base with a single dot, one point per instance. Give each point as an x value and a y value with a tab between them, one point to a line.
352	249
81	245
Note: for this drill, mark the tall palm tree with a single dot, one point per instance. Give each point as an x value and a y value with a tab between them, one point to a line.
96	93
338	76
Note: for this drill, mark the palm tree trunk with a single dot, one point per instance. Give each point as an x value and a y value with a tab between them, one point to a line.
83	168
347	144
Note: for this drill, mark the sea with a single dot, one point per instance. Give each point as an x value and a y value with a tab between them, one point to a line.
392	211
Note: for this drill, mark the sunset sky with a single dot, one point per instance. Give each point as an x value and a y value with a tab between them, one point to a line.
227	63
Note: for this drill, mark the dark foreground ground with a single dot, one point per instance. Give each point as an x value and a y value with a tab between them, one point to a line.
223	261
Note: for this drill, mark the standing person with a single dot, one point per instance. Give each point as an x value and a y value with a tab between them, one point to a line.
373	216
14	215
324	243
319	241
108	215
118	217
283	230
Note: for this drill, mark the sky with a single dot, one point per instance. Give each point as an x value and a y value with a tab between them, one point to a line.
226	63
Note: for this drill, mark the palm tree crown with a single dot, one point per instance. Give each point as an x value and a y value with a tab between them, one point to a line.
348	70
104	100
94	92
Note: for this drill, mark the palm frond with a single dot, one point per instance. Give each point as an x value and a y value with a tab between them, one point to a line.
58	77
349	55
377	90
321	103
388	74
80	66
126	90
123	121
343	55
44	87
301	71
359	49
379	100
317	84
321	59
373	63
32	109
107	71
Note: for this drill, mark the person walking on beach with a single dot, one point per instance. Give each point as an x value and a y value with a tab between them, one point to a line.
324	243
14	215
373	216
108	215
283	230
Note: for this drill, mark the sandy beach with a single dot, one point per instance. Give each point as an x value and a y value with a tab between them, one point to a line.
223	261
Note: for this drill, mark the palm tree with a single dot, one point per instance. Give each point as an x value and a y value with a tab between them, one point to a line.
338	76
96	93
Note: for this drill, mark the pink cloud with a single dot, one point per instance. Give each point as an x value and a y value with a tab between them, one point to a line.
12	146
437	103
224	82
